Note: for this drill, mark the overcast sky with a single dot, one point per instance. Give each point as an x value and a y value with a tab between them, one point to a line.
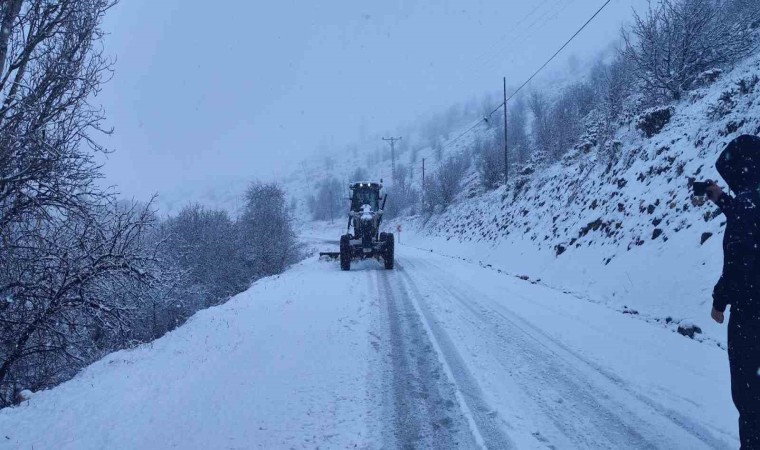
209	91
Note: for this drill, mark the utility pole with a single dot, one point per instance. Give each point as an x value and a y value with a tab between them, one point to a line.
506	155
393	140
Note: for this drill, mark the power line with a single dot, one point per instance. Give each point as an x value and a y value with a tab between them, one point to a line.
494	110
560	49
515	29
480	121
539	24
543	66
451	141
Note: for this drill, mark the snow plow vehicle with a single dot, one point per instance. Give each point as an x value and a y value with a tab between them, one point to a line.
365	216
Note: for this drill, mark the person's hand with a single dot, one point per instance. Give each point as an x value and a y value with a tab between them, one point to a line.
697	201
716	315
714	192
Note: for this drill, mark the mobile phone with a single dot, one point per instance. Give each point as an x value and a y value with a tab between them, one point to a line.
700	188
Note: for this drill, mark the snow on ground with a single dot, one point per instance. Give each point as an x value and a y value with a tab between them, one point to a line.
570	373
283	365
439	353
667	285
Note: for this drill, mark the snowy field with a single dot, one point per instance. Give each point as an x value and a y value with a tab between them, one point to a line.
440	353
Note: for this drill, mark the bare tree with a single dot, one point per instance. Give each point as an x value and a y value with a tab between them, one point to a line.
327	203
676	40
612	84
518	138
55	277
51	66
541	127
401	194
446	183
489	159
70	256
204	243
567	116
82	274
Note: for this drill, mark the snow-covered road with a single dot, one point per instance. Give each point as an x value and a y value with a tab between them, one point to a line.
538	368
439	353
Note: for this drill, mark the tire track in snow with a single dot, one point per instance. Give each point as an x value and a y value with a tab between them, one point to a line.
595	418
483	417
554	366
420	404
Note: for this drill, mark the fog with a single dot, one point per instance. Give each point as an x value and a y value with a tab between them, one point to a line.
203	94
319	224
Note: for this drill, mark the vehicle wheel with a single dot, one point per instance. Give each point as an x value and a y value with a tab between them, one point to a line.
345	252
388	254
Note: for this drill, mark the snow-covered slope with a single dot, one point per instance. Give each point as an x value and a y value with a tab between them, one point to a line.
621	232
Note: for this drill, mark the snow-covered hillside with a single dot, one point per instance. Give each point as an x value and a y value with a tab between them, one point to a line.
623	233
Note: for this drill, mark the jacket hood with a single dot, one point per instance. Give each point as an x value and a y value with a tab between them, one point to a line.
739	163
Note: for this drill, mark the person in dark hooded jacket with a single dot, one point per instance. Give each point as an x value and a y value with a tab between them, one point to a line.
739	284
